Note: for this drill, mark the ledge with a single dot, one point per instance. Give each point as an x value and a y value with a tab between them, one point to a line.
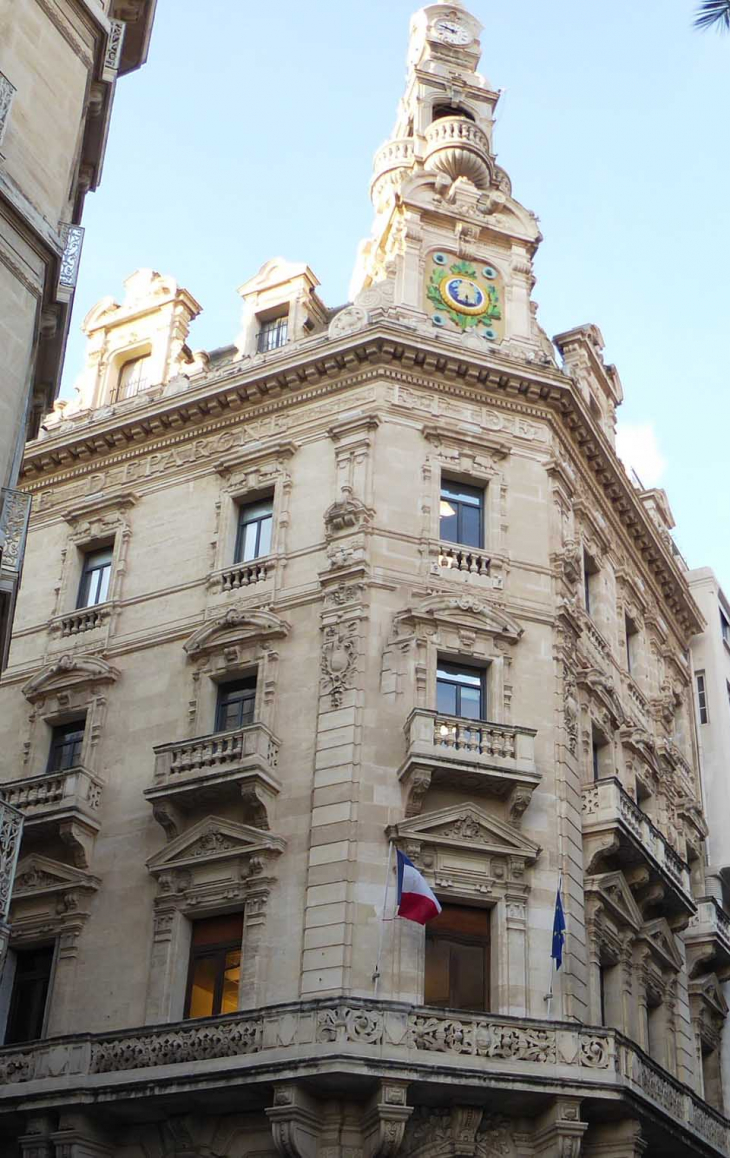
65	804
361	1038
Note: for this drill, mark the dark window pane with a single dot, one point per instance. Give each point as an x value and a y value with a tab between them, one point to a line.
457	959
436	989
463	494
236	703
203	985
29	994
467	976
218	930
66	744
446	698
448	528
471	526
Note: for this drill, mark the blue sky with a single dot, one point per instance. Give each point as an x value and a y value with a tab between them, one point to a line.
250	133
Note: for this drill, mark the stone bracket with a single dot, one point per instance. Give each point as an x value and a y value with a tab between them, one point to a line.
295	1122
384	1121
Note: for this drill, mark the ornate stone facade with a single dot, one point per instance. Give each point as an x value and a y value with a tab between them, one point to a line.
340	437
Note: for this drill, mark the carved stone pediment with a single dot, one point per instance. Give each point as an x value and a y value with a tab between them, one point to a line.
50	899
215	839
39	876
346	515
468	827
660	939
237	625
640	742
601	689
707	991
441	609
612	892
67	673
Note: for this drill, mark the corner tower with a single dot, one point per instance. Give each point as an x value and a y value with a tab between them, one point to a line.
451	249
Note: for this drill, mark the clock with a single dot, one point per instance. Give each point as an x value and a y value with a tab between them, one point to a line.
449	32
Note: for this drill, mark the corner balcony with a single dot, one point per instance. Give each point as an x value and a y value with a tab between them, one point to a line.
471	755
59	805
618	834
199	774
707	938
390	164
456	147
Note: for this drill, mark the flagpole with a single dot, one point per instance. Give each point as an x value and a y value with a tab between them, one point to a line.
376	973
549	994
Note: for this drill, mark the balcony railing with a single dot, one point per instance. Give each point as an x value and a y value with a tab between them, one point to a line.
41	798
218	767
382	1036
83	619
246	574
11	833
390	163
707	938
471	754
457	147
467	560
607	806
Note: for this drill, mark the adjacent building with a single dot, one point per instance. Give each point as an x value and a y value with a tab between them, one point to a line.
368	576
59	63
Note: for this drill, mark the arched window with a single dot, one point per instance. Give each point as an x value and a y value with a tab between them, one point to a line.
133	377
450	111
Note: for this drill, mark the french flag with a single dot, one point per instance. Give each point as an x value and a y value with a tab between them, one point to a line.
416	902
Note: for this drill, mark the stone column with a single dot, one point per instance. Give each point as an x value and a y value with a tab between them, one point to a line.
559	1131
620	1139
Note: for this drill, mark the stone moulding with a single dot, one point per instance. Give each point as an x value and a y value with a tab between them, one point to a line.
359	1032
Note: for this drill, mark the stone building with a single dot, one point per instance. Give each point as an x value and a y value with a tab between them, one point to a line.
59	63
370	574
711	663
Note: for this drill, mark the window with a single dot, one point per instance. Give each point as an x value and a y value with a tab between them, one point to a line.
215	966
66	744
600	754
457	959
460	691
724	627
132	378
94	586
255	522
461	518
273	334
632	639
590	581
236	703
29	994
702	698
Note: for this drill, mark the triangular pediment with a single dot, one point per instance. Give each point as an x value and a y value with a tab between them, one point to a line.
37	875
69	671
660	938
236	625
709	990
461	610
213	839
467	826
617	897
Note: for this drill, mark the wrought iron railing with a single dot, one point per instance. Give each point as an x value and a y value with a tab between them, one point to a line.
14	515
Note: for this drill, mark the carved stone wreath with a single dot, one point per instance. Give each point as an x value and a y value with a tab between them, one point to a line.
339	657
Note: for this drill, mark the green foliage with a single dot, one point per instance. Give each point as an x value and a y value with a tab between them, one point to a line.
465	322
713	14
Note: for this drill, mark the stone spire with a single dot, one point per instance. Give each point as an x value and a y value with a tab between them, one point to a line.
451	250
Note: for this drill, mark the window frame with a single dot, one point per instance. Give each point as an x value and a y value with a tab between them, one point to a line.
724	627
278	325
479	672
242	684
14	1002
242	523
57	745
218	950
478	492
87	572
120	392
703	713
452	940
590	570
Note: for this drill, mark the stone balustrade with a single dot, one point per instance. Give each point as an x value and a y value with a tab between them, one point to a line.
389	162
467	560
246	574
83	619
38	797
365	1037
457	147
707	936
474	755
219	766
606	807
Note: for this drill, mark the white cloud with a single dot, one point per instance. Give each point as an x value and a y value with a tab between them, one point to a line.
638	449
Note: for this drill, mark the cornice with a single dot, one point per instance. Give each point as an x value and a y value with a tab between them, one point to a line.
384	351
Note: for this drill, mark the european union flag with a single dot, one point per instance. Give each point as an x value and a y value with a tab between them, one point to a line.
558	931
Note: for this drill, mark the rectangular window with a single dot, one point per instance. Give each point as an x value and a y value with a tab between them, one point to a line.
724	627
702	698
461	514
94	586
590	580
460	691
236	703
600	753
273	334
215	966
29	994
255	522
66	743
457	959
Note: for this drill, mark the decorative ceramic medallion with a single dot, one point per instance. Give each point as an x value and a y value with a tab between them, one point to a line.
464	295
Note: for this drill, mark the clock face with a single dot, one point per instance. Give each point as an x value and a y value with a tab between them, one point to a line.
450	32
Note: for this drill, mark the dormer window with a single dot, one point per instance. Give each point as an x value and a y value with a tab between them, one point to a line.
133	377
273	333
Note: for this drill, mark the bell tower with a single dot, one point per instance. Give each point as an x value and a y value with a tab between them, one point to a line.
451	250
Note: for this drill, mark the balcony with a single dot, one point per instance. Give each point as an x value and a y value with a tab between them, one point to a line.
390	165
59	805
456	147
360	1039
240	575
468	755
707	938
200	774
618	834
82	620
